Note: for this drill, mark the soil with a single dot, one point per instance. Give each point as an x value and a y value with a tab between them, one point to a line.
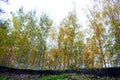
7	73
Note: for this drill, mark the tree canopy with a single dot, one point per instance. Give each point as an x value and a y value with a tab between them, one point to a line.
29	41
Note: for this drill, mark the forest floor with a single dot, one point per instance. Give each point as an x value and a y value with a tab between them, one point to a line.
6	76
7	73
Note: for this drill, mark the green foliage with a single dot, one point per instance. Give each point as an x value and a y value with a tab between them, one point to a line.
1	77
4	77
55	77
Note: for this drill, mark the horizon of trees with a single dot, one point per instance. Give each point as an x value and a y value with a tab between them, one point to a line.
31	42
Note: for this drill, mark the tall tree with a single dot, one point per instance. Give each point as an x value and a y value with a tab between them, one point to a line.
5	42
98	32
111	14
68	39
45	25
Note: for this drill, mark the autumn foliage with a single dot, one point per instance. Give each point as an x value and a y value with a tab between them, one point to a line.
28	41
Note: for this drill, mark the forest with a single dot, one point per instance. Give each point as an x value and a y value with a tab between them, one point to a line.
32	41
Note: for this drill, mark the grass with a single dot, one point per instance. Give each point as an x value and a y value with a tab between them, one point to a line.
4	77
74	77
55	77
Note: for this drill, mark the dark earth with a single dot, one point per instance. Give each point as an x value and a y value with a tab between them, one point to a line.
93	74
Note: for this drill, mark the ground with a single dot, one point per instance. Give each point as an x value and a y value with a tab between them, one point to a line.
7	73
6	76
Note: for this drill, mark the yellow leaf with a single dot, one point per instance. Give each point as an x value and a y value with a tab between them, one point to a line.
15	23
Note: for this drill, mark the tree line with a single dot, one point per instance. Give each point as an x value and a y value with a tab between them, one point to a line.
28	41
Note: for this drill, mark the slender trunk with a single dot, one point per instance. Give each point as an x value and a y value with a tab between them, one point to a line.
28	57
58	61
58	58
43	53
8	59
101	49
40	62
35	61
